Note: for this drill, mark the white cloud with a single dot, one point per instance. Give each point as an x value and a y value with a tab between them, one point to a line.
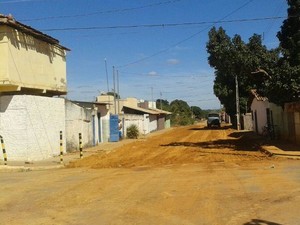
153	73
173	61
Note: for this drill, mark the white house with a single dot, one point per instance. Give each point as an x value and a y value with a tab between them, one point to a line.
32	71
91	119
265	113
31	125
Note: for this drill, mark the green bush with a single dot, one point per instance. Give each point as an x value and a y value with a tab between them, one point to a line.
132	131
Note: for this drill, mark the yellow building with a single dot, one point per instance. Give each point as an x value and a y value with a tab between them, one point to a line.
30	61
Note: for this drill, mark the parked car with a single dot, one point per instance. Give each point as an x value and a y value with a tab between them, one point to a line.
213	119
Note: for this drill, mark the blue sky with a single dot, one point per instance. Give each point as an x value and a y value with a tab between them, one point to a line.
159	61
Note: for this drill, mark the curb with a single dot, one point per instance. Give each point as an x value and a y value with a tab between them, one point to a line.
284	154
5	168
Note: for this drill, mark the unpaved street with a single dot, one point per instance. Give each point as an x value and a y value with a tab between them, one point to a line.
187	175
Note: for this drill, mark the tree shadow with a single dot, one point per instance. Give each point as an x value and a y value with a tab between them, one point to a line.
241	141
261	222
225	127
284	145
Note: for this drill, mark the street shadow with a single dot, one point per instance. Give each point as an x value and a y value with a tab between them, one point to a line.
261	222
225	127
241	141
284	145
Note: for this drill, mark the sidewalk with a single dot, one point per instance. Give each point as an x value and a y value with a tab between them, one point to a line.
282	149
54	162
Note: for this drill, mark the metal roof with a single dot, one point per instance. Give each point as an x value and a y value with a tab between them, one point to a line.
11	22
149	111
146	111
257	96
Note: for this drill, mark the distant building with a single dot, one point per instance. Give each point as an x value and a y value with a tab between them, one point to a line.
142	113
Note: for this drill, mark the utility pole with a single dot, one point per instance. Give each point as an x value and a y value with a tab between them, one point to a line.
107	83
114	78
160	101
152	97
106	75
237	100
118	91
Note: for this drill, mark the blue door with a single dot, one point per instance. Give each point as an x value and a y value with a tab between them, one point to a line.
114	128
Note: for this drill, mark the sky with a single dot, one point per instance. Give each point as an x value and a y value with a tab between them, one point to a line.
157	47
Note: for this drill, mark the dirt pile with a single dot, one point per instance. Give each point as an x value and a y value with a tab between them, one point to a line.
182	145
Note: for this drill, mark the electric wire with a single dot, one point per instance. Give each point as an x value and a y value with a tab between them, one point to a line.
183	40
104	12
165	25
20	1
271	24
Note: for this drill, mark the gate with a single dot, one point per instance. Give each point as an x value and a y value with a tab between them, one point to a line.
114	128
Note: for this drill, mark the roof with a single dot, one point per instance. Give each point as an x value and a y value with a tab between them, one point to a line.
146	111
149	111
11	22
88	104
162	111
257	96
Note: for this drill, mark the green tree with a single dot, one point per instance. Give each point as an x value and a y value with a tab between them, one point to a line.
232	57
197	112
181	113
162	104
289	35
111	93
285	82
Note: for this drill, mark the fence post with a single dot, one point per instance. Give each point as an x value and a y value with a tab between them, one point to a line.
3	149
61	147
80	145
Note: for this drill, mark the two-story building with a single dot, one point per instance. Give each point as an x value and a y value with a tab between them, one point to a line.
32	76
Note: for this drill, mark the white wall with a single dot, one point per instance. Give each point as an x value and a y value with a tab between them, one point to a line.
80	120
153	123
141	121
277	115
30	126
260	108
104	120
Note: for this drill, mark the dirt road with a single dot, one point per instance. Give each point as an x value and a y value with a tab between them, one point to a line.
188	175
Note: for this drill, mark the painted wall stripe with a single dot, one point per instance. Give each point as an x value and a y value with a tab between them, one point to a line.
80	145
3	150
61	147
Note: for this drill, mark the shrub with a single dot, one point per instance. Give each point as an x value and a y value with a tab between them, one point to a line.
132	131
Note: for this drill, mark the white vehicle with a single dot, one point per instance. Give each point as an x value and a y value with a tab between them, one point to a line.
213	119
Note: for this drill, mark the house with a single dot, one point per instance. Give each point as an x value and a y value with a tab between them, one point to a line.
139	112
91	119
265	113
291	120
31	62
32	73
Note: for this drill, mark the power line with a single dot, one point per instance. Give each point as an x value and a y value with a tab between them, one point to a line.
183	40
102	12
19	1
164	25
268	28
192	75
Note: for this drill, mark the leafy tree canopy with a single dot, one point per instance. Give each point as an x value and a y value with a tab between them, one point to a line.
181	113
111	93
162	104
286	76
197	112
232	57
274	73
